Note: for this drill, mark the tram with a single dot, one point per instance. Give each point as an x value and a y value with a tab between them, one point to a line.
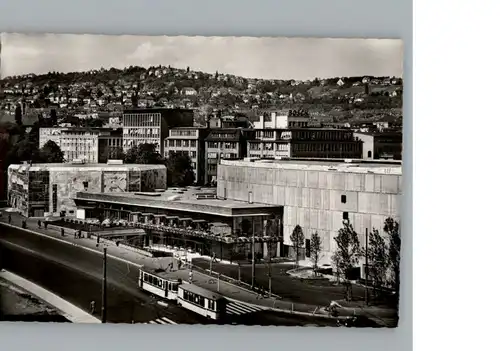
157	282
201	301
189	296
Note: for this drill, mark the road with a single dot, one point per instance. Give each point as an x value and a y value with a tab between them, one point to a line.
76	275
283	285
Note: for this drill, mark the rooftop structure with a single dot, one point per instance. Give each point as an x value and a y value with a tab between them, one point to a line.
339	165
192	199
38	189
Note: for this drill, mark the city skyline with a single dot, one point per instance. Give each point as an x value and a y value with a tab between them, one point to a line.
271	58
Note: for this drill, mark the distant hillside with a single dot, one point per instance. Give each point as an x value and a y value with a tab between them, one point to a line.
340	98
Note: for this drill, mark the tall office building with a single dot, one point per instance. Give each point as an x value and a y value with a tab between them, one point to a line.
151	125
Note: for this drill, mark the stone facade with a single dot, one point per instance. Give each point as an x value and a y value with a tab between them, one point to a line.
65	180
317	197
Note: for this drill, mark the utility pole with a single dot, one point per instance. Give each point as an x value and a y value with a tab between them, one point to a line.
270	293
104	295
366	266
253	253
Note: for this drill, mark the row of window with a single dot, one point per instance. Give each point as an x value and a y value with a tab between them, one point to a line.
323	135
269	146
159	283
194	298
182	143
326	147
175	132
225	145
141	120
141	131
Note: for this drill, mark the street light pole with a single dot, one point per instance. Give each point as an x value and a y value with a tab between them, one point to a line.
104	294
253	253
366	266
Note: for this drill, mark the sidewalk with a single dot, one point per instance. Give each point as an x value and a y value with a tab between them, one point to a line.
113	251
70	311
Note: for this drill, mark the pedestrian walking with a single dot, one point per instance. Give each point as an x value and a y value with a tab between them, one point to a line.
92	307
39	224
190	277
10	219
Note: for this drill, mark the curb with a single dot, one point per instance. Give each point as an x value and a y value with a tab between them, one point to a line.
72	244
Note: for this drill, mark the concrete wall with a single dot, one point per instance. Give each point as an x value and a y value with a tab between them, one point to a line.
71	181
313	198
68	183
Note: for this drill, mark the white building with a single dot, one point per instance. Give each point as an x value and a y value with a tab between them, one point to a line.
317	195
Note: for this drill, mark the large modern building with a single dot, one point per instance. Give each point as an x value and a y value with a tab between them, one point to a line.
291	136
222	144
37	189
189	141
151	125
191	218
317	195
91	145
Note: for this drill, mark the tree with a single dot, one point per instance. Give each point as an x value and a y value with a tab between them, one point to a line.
53	117
346	255
391	227
51	153
297	239
18	115
116	153
179	170
316	247
143	154
377	259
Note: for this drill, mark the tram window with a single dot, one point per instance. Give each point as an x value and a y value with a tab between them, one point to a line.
211	305
202	301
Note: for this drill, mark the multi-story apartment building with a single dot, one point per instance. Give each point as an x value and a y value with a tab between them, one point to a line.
289	136
91	145
191	142
221	144
151	125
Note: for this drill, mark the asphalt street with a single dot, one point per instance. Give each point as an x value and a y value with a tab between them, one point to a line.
76	275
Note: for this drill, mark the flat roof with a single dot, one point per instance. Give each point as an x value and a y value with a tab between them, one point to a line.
174	199
355	166
86	166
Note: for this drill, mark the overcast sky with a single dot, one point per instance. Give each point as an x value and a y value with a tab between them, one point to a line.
279	58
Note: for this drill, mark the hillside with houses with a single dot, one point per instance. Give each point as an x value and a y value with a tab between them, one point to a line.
111	90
